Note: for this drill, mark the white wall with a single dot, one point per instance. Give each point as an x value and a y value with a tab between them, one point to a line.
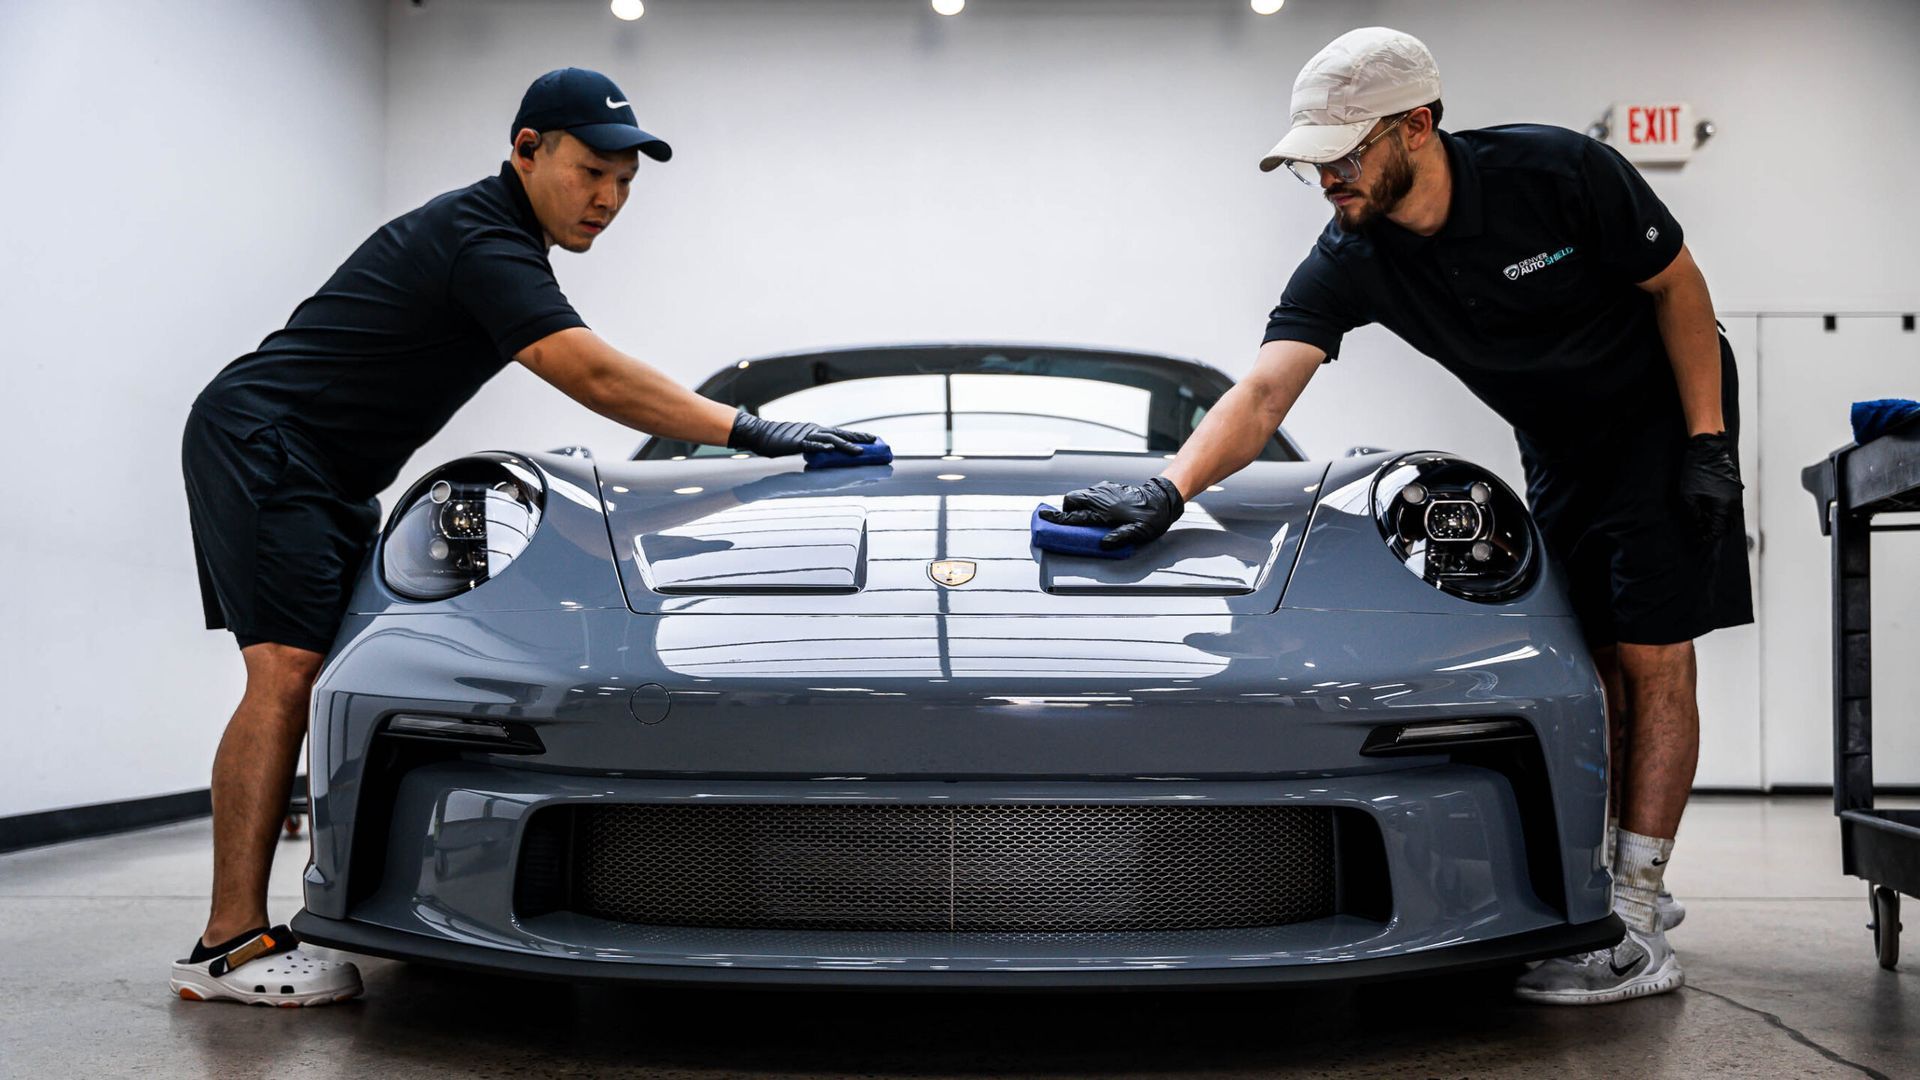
1080	171
846	171
179	176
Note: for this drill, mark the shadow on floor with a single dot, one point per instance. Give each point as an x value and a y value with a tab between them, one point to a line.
425	1019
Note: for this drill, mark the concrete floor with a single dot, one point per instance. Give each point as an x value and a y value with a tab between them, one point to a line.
1781	982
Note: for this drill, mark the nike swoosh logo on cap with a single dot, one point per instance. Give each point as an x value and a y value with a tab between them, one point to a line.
612	104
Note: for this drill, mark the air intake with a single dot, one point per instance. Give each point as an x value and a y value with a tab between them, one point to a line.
994	868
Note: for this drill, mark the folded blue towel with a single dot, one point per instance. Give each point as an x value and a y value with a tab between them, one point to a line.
876	452
1073	539
1872	419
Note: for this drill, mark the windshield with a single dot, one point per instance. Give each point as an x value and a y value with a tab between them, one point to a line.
936	400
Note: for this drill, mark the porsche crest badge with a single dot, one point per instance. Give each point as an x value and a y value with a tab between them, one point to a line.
951	572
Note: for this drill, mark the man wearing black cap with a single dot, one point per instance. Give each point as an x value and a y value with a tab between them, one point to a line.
286	448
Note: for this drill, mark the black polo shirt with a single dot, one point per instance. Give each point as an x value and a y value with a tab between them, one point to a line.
1526	293
402	334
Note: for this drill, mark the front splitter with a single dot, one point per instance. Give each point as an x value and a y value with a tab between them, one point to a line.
372	940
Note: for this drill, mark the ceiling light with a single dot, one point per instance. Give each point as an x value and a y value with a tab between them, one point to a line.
949	7
688	490
951	476
628	9
1267	7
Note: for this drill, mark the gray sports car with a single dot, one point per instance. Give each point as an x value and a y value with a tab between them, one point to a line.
703	717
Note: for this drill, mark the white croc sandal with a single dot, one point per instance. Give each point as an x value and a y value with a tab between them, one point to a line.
267	969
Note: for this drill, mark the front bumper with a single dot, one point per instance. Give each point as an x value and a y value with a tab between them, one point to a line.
1452	847
417	856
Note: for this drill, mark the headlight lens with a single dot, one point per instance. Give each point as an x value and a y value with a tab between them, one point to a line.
460	525
1455	526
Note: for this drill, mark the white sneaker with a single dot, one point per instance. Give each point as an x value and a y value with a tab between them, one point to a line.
267	968
1640	965
1668	912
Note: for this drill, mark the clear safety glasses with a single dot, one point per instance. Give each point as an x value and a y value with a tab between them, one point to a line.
1346	169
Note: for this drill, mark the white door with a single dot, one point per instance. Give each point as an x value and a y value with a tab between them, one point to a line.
1730	741
1809	376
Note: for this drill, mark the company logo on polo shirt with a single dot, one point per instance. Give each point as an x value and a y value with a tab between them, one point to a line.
1527	266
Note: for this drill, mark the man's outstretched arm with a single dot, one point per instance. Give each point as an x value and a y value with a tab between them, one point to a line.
1230	437
619	387
1238	427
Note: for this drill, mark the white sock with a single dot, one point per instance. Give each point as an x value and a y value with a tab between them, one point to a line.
1639	873
1613	839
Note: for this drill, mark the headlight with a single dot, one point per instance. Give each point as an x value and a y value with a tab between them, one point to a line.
460	525
1456	526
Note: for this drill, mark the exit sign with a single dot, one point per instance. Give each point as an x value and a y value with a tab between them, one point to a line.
1652	130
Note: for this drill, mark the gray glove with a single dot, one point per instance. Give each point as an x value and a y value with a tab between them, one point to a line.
1136	513
778	438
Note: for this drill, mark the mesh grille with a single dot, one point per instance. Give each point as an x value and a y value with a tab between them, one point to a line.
1001	868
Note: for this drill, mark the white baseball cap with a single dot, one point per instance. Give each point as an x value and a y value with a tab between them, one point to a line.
1361	76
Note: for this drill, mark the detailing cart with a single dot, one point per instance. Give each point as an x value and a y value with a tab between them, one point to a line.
1850	487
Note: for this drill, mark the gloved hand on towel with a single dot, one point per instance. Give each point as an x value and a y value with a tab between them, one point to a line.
1135	513
778	438
1710	484
876	452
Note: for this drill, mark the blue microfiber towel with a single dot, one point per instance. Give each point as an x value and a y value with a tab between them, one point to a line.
1872	419
876	452
1073	539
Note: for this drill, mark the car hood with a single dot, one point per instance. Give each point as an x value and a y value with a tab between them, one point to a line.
734	536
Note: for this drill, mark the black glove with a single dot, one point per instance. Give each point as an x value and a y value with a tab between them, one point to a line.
1138	512
1710	484
778	438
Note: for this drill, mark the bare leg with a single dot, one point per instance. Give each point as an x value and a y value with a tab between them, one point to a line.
1607	659
252	775
1663	741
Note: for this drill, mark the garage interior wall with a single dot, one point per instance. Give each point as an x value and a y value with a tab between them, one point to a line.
858	171
179	176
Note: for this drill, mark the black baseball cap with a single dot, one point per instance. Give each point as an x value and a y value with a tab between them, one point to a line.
588	106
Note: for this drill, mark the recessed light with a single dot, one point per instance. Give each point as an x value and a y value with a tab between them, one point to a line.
688	490
628	9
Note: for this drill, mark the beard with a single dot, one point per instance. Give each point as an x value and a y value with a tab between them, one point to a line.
1391	182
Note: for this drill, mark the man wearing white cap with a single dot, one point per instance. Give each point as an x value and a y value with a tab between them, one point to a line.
1538	266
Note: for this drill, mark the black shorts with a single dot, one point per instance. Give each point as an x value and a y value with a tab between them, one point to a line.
1613	518
276	545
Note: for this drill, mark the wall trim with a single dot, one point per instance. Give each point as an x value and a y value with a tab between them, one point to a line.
102	819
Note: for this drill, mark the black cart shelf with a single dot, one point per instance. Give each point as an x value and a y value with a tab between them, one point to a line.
1853	485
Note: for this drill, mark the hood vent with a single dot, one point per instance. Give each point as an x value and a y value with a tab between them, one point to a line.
793	546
